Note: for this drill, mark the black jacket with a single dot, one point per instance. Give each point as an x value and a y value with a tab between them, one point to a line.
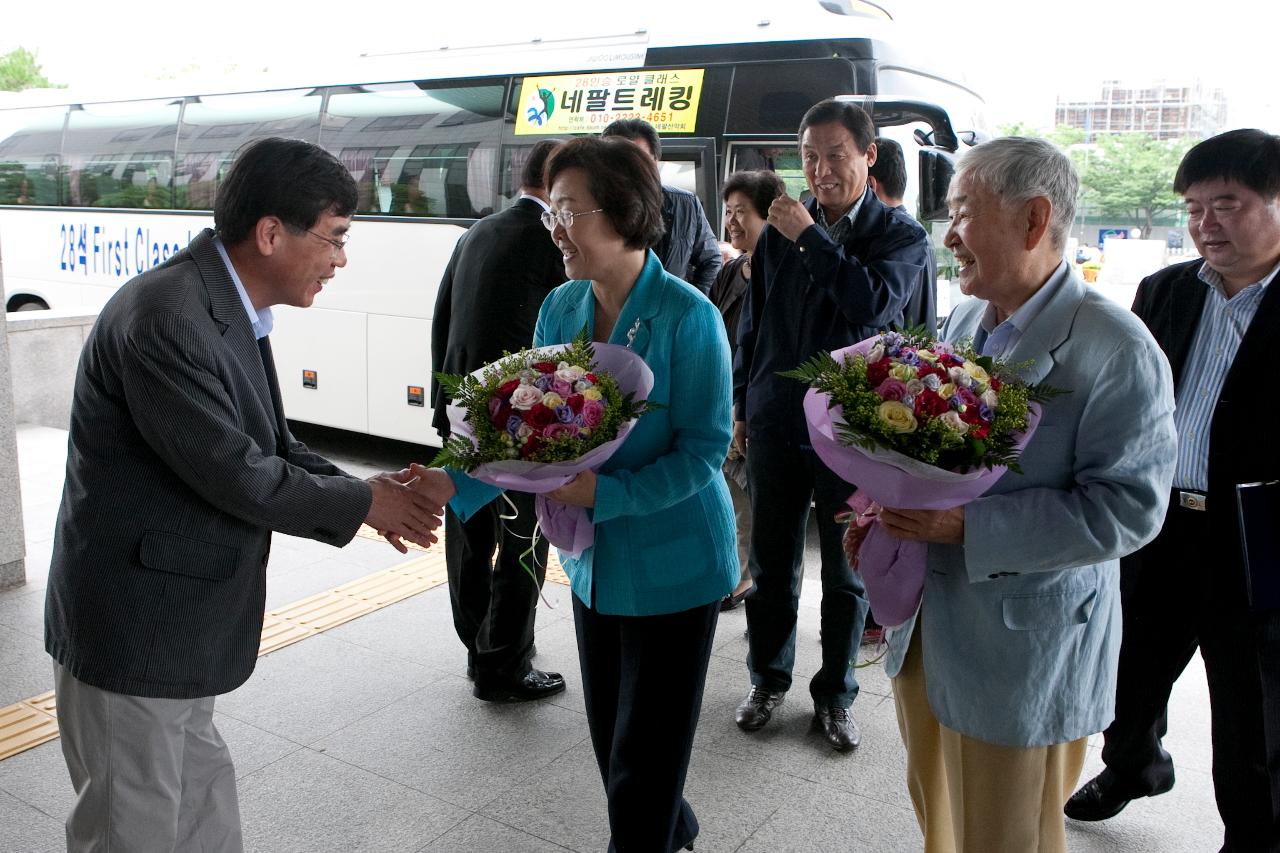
689	249
815	295
179	466
489	297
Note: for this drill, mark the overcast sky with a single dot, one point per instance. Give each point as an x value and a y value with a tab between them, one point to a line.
1019	54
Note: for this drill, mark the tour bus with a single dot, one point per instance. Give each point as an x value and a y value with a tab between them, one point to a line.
95	191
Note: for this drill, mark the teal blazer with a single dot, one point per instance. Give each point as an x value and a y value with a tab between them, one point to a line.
1021	624
664	538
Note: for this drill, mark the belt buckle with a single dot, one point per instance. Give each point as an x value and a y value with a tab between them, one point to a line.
1192	500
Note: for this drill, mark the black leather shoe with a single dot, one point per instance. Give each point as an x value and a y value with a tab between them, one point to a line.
837	727
732	600
1101	798
534	684
757	708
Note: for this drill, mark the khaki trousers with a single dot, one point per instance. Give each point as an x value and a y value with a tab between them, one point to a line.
977	797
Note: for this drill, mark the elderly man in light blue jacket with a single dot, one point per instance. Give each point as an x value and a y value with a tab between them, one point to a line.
1010	663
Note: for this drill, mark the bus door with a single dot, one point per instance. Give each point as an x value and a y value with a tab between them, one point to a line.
690	164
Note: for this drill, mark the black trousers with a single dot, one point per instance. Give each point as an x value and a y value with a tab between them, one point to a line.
1186	590
495	601
783	480
642	680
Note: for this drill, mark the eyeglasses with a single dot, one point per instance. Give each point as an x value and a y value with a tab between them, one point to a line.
564	217
338	245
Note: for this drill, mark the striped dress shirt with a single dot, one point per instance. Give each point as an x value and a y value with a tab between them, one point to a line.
1223	323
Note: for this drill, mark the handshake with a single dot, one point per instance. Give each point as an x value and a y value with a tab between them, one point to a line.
408	505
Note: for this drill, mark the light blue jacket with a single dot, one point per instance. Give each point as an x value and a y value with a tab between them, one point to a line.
664	537
1021	625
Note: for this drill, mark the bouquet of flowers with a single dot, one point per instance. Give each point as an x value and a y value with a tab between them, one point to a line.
917	424
531	421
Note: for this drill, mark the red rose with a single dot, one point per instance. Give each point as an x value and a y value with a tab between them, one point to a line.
929	404
501	416
505	389
591	377
539	416
530	447
970	415
995	383
878	372
544	367
575	402
980	432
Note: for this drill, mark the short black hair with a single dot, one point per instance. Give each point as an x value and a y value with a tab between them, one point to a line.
635	128
295	180
534	173
833	111
889	169
761	187
1249	156
624	181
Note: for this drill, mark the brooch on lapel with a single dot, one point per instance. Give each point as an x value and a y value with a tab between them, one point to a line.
631	334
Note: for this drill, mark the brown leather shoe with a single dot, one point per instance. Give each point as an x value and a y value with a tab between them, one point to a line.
837	727
757	708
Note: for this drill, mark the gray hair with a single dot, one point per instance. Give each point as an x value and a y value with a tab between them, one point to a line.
1020	168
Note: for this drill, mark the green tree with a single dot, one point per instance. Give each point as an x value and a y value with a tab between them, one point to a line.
19	70
1130	176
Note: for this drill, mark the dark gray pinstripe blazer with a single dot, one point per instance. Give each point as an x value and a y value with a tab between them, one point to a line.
178	469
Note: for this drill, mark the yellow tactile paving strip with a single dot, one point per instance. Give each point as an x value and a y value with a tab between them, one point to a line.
31	722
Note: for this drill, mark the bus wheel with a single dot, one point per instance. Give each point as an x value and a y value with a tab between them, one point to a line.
26	303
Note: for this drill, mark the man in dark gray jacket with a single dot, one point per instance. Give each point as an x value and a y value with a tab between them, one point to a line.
689	248
179	466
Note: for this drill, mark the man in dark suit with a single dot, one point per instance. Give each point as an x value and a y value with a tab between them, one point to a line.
689	249
488	303
825	275
1217	319
180	465
887	178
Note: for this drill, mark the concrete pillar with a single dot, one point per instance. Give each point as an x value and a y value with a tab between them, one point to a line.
13	549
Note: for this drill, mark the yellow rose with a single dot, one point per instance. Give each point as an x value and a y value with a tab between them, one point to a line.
974	370
551	399
947	390
899	417
925	355
903	372
592	394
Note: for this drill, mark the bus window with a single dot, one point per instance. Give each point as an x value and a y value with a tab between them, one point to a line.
782	159
773	97
120	154
419	149
28	162
215	127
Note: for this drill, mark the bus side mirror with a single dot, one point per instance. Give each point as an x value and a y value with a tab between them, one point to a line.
936	168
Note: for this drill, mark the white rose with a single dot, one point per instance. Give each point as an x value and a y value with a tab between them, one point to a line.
959	377
524	397
875	354
952	422
932	382
990	399
915	386
570	373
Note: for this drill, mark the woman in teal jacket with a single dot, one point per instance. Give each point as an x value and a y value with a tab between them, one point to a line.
646	595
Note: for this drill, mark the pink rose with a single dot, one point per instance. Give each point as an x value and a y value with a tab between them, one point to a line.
524	397
558	430
892	389
592	413
561	387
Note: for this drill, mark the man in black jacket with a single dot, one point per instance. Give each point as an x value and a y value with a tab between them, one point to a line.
488	303
180	464
1217	320
826	274
689	249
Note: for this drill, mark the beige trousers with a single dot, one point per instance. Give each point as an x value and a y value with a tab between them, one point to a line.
977	797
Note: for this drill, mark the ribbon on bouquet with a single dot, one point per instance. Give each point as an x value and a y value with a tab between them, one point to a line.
529	556
885	563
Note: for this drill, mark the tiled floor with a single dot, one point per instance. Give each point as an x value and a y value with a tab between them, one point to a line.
367	737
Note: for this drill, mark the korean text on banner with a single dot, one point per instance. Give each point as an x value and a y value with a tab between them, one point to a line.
585	103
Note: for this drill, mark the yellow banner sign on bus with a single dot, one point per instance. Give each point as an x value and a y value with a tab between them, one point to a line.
585	103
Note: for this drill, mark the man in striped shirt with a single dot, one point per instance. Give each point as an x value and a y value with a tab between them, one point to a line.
1216	318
